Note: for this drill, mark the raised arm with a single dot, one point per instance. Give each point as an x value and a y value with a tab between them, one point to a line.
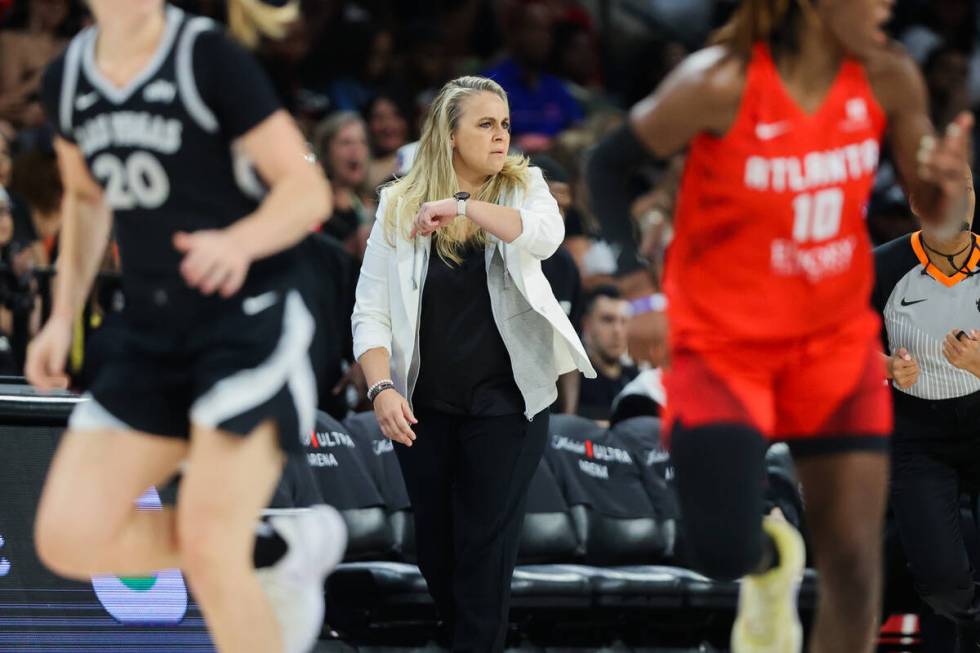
934	170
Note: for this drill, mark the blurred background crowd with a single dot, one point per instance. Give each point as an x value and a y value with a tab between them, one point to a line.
359	75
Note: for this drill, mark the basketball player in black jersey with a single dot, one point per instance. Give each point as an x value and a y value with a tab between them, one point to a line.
159	118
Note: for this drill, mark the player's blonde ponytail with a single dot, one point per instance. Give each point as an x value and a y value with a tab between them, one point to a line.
250	20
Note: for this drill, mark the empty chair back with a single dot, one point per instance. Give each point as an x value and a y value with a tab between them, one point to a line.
382	463
346	483
604	487
548	534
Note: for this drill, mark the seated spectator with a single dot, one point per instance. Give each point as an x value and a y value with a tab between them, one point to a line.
342	148
389	119
365	65
575	60
425	65
540	104
329	274
644	396
36	179
39	31
604	330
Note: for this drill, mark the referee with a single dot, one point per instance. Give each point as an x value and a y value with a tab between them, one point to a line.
928	293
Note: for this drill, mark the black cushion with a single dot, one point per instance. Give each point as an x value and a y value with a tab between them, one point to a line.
375	580
548	587
636	586
548	533
402	524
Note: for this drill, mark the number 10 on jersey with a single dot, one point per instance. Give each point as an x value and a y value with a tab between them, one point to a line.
817	215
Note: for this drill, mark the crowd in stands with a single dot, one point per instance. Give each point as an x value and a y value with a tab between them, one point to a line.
358	76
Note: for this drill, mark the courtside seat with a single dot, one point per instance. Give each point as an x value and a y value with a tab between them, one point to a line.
618	517
342	475
548	533
645	586
365	596
381	462
549	587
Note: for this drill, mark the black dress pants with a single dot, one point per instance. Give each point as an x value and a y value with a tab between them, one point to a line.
468	478
935	460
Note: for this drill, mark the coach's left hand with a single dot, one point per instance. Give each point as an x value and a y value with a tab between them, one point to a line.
213	262
963	353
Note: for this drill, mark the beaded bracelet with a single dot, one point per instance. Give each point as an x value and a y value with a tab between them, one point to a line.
378	388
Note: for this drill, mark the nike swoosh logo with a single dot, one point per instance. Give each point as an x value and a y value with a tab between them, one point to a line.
905	302
766	131
83	102
257	304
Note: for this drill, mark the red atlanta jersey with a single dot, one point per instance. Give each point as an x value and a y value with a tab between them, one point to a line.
770	240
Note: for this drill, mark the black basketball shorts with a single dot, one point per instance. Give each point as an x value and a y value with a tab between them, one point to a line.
231	371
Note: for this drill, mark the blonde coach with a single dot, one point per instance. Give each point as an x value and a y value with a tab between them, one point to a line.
461	341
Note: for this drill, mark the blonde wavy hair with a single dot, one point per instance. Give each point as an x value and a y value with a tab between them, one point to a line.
432	176
250	20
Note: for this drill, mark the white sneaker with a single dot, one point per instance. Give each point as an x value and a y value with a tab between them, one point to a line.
768	621
316	538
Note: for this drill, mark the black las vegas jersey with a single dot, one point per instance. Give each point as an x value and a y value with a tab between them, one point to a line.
164	148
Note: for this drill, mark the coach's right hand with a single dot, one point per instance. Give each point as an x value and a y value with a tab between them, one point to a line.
47	354
903	368
395	416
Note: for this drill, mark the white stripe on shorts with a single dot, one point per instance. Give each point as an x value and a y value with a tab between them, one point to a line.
289	363
90	415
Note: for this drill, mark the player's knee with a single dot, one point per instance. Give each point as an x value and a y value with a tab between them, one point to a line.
850	569
67	542
207	549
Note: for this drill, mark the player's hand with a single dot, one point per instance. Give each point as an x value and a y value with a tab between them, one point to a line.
903	368
213	261
47	354
963	352
395	417
943	163
433	216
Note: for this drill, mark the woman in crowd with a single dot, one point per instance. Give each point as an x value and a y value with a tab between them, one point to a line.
389	122
342	147
461	341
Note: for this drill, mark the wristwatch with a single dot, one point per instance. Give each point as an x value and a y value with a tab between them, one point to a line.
461	198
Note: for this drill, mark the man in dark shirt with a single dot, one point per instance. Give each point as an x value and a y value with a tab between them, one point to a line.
604	332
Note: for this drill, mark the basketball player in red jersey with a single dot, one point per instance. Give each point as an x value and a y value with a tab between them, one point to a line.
768	282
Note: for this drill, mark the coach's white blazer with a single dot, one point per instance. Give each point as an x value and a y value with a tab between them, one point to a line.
539	338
